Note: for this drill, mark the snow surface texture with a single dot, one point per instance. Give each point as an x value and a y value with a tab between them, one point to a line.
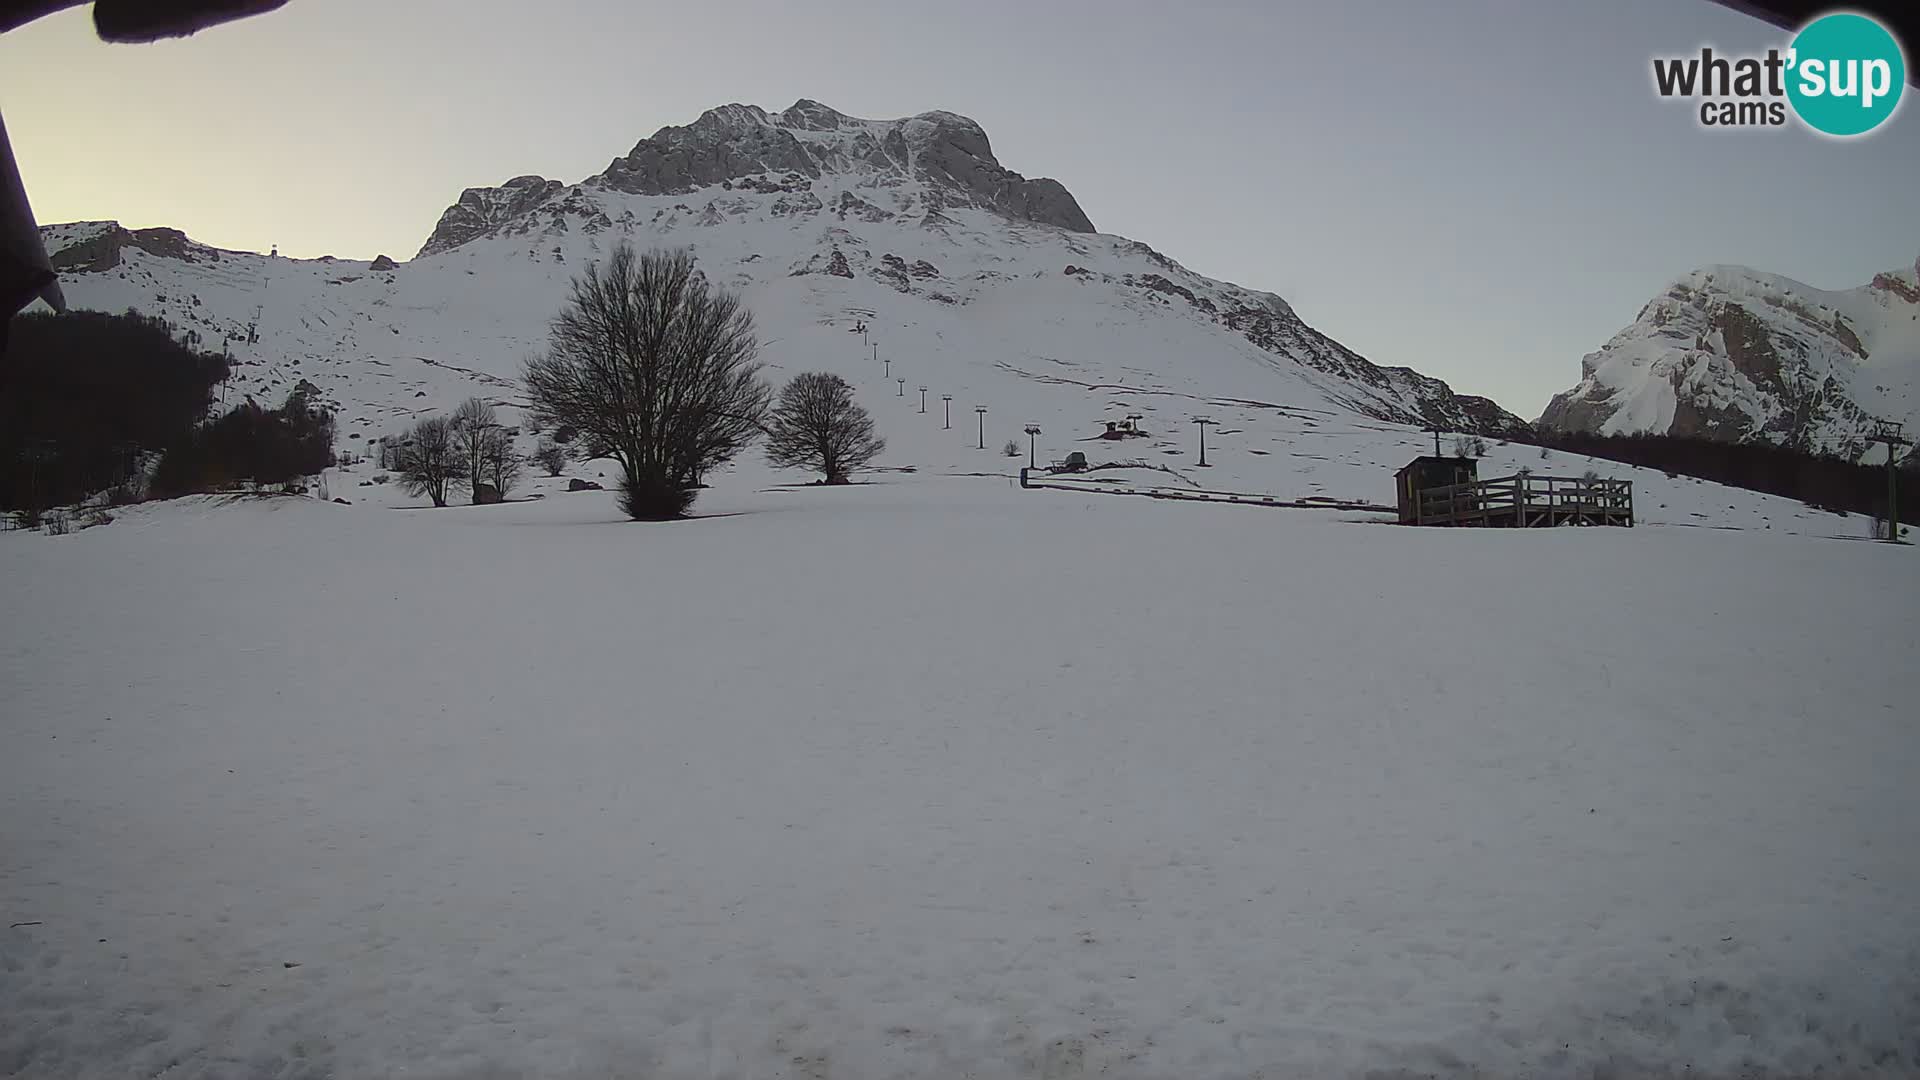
935	777
1732	353
932	776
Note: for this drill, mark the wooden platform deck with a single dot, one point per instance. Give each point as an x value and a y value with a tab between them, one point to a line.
1528	502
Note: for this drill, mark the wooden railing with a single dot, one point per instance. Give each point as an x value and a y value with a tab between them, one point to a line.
1526	501
1082	482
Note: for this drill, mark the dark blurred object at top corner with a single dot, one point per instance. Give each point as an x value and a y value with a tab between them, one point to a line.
25	273
1793	14
136	21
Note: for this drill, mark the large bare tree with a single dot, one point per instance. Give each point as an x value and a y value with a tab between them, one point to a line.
499	465
818	426
656	369
430	459
473	424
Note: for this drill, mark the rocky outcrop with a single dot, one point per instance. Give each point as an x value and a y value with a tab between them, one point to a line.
1484	416
1733	354
727	143
746	149
832	261
381	262
740	143
849	203
482	210
101	251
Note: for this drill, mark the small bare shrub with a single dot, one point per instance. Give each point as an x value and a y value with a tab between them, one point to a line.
551	456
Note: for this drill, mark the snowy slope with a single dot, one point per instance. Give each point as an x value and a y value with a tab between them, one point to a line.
1731	353
1063	351
939	778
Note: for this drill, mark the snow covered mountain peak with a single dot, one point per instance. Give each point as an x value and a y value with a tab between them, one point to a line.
943	157
944	150
1735	354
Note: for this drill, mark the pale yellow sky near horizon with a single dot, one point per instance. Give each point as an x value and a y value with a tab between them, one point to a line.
1483	191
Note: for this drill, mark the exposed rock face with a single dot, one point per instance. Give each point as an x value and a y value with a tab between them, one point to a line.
832	261
381	262
727	143
737	142
102	250
849	203
1484	416
943	156
1732	354
481	210
1268	322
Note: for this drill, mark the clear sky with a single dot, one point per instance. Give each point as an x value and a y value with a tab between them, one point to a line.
1484	190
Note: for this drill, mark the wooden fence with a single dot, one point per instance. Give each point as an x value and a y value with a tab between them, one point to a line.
1082	482
1525	501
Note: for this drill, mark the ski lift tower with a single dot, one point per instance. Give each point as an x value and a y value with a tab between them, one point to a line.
1889	432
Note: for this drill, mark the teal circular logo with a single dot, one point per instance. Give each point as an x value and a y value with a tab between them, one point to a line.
1845	73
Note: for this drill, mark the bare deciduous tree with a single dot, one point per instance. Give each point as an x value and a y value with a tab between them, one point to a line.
551	456
473	424
818	426
655	368
1469	446
429	461
499	465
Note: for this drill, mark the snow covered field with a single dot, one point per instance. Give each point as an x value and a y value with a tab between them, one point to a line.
937	778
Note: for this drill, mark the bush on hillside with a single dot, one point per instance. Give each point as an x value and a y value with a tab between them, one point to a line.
551	456
250	444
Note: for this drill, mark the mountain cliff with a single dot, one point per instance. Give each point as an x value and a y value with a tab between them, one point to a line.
1735	354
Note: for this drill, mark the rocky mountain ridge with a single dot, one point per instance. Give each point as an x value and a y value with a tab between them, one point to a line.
743	143
1730	353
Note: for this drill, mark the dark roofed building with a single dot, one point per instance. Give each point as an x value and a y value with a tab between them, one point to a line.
1425	473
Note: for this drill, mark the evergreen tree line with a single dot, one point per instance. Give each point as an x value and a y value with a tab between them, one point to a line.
265	446
88	398
1829	483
